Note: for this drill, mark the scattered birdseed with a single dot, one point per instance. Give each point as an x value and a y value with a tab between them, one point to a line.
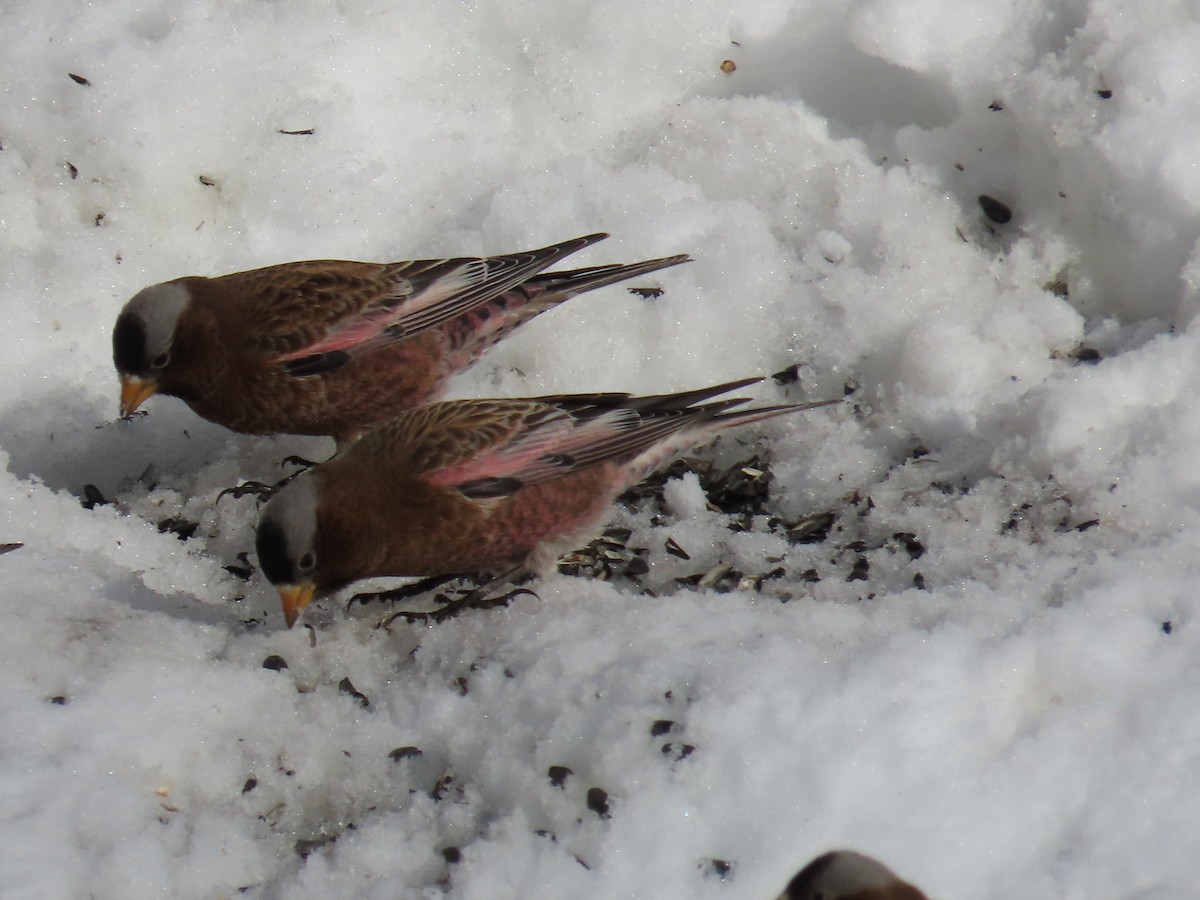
716	868
646	293
92	497
305	848
675	550
995	210
346	687
181	528
715	574
597	802
675	751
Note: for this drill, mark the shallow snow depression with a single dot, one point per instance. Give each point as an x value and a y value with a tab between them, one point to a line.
956	629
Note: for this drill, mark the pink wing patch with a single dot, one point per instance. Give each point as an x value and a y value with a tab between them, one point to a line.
365	330
545	450
354	333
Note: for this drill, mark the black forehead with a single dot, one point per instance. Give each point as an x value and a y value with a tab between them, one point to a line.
273	554
129	344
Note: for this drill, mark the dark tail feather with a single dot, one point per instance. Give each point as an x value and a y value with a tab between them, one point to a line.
549	255
688	398
564	285
746	416
585	405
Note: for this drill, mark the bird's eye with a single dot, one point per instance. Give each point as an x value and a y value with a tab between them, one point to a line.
307	561
160	361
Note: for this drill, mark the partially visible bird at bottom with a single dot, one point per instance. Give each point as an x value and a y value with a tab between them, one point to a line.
479	486
848	875
332	347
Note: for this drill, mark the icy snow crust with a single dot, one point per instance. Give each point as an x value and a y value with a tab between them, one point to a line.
986	671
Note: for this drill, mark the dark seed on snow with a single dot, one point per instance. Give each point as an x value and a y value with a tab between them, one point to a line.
304	848
646	293
452	855
275	663
404	753
811	529
790	375
92	497
559	775
860	571
443	786
914	547
251	784
347	687
617	533
60	700
78	79
181	528
661	727
995	210
716	868
1167	627
919	581
678	751
637	566
597	802
675	550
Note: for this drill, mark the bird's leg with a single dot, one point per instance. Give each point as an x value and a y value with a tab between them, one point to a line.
257	488
478	598
406	592
266	491
304	464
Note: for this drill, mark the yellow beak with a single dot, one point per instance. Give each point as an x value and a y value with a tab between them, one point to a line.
294	598
134	392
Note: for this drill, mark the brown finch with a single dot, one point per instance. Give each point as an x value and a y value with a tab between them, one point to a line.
334	347
470	486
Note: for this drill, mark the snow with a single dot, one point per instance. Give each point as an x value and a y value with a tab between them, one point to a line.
1023	724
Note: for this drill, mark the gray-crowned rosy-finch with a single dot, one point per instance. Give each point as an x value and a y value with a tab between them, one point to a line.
334	347
471	486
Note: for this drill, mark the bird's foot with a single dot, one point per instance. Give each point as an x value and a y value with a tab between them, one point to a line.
304	464
480	597
265	491
405	592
